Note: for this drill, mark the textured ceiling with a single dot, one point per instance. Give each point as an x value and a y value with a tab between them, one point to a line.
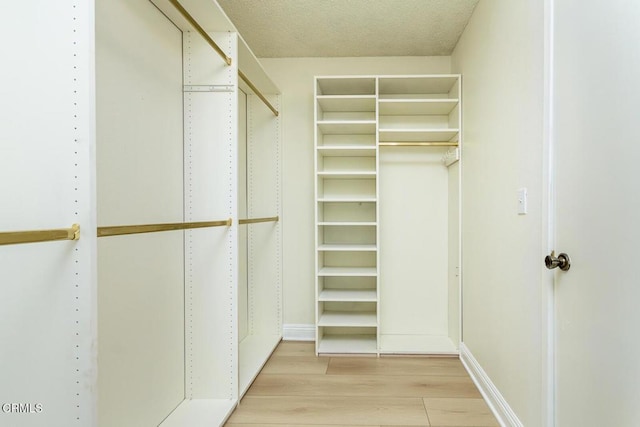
329	28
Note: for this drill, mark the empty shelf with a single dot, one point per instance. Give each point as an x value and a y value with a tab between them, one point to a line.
345	127
413	135
347	247
416	107
349	295
347	151
348	174
348	223
348	271
354	319
348	344
347	103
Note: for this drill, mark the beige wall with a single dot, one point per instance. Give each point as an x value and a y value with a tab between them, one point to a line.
501	58
294	76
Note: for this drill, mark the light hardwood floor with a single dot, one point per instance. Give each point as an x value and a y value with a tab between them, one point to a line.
297	389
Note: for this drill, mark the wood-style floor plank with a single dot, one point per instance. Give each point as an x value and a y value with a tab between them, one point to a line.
459	413
296	365
446	366
363	385
302	410
295	348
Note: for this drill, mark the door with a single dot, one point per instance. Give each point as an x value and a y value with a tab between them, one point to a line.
596	140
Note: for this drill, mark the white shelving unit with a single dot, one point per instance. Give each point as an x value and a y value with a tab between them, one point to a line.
354	114
346	215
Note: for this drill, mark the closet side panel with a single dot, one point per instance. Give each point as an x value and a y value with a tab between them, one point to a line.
211	188
140	181
413	251
454	253
263	177
47	302
243	262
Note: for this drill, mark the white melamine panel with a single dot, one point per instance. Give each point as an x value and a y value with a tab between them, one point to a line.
265	269
347	271
254	351
346	247
140	180
243	248
200	413
47	309
454	253
413	242
348	344
211	164
348	318
346	103
337	142
347	151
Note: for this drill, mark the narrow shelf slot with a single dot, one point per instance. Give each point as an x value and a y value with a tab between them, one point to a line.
417	135
345	127
347	103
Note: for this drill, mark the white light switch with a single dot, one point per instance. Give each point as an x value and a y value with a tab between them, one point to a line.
522	201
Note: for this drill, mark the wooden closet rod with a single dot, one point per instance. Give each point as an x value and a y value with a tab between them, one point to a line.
257	92
421	144
255	220
121	230
34	236
200	30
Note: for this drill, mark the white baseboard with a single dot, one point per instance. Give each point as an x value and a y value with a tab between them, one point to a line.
293	332
501	409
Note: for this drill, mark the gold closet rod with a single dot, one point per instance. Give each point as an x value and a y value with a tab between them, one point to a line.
200	30
420	144
220	52
121	230
256	220
34	236
257	92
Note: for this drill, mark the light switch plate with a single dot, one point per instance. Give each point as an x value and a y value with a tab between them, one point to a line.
522	201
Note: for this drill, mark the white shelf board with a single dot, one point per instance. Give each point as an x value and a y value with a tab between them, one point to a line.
347	247
254	351
347	103
354	319
417	135
200	413
348	223
352	199
353	295
415	107
416	84
348	272
347	127
417	344
354	344
347	151
346	85
348	174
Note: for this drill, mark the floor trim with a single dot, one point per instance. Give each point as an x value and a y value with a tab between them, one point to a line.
298	332
499	406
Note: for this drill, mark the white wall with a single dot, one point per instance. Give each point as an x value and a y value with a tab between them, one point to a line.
501	58
294	76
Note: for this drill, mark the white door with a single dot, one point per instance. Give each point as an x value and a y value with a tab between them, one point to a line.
596	140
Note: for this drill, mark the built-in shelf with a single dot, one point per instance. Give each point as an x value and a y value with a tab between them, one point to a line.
347	272
414	107
354	344
348	199
347	127
347	247
347	174
417	135
353	319
348	223
347	151
348	295
347	103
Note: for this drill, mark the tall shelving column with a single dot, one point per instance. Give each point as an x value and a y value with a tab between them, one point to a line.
346	194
